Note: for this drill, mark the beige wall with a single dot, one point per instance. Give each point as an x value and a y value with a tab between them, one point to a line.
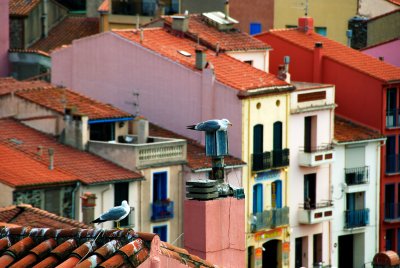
6	197
383	29
373	8
331	14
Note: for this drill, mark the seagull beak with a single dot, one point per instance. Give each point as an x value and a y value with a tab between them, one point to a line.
230	124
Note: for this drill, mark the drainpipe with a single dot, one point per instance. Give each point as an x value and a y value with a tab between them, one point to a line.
377	193
73	199
317	62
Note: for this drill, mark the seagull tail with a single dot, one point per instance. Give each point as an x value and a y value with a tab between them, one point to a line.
191	127
98	220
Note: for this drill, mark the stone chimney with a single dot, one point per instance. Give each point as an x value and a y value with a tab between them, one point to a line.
143	130
200	58
76	131
283	70
180	23
88	205
306	24
317	64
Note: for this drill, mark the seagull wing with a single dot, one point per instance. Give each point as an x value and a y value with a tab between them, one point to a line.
210	125
114	214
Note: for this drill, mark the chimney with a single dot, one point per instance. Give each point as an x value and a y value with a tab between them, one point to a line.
143	131
226	9
306	24
200	58
180	23
88	205
283	70
141	35
51	157
317	64
349	34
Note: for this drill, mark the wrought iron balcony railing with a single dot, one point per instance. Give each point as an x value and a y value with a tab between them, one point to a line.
269	219
162	210
392	118
271	159
356	218
354	176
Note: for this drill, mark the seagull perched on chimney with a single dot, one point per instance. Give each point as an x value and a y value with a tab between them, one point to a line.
211	125
115	214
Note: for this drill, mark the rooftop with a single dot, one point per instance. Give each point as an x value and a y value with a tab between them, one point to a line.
348	131
196	157
24	154
229	71
71	28
26	215
58	98
22	7
209	36
48	247
339	53
104	7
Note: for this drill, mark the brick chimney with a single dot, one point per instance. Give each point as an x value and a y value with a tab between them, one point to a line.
317	64
306	24
88	205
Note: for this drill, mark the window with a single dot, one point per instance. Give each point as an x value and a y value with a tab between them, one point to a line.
276	194
123	7
102	131
390	239
391	156
159	186
257	198
162	231
291	26
317	249
52	201
310	191
389	201
391	106
255	28
258	141
320	30
250	62
144	7
121	193
310	133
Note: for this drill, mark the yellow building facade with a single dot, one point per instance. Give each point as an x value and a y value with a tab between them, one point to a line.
265	143
330	17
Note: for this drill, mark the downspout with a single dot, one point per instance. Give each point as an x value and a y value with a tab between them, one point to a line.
73	199
287	145
377	192
248	175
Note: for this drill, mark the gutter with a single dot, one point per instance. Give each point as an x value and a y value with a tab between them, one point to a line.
266	91
358	142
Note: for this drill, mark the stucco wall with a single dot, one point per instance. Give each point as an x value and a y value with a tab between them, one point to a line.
373	8
6	197
4	38
383	29
260	59
389	51
333	15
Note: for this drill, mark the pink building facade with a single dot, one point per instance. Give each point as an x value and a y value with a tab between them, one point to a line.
4	38
389	51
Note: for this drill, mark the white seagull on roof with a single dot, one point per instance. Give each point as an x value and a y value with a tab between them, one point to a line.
115	214
211	125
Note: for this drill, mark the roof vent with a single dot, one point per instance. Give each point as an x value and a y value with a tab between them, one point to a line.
219	20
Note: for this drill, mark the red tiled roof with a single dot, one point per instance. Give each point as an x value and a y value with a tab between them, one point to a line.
396	2
104	7
26	215
348	131
229	71
196	157
340	53
54	98
22	7
66	31
209	36
72	164
28	51
47	247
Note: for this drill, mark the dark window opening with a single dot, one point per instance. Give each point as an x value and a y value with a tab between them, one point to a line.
121	193
102	131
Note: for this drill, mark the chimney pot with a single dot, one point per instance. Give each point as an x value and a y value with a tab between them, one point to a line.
51	156
200	58
306	24
318	45
226	9
180	23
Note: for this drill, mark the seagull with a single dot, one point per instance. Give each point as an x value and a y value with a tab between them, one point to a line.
211	125
115	214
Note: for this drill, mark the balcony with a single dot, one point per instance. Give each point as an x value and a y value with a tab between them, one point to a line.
392	118
356	218
316	213
269	219
270	160
392	212
315	156
162	210
356	176
132	155
392	164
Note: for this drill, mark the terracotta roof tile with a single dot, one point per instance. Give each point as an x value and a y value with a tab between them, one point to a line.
22	7
28	51
340	53
44	247
25	214
232	40
196	157
348	131
54	98
104	7
396	2
66	31
229	71
70	164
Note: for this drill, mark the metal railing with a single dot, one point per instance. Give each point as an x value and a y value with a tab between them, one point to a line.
392	118
392	211
359	175
313	205
162	210
315	149
356	218
270	159
392	163
269	219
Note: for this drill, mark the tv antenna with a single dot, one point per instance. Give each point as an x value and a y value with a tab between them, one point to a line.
135	102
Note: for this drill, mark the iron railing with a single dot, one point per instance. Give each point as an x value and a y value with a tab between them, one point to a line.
315	149
314	205
392	118
269	219
162	210
356	218
354	176
271	159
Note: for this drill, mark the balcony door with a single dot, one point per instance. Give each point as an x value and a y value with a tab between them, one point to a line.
310	190
391	154
310	131
277	144
389	201
159	186
276	194
257	198
258	142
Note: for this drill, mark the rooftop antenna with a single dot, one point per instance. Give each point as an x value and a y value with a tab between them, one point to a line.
306	9
135	102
